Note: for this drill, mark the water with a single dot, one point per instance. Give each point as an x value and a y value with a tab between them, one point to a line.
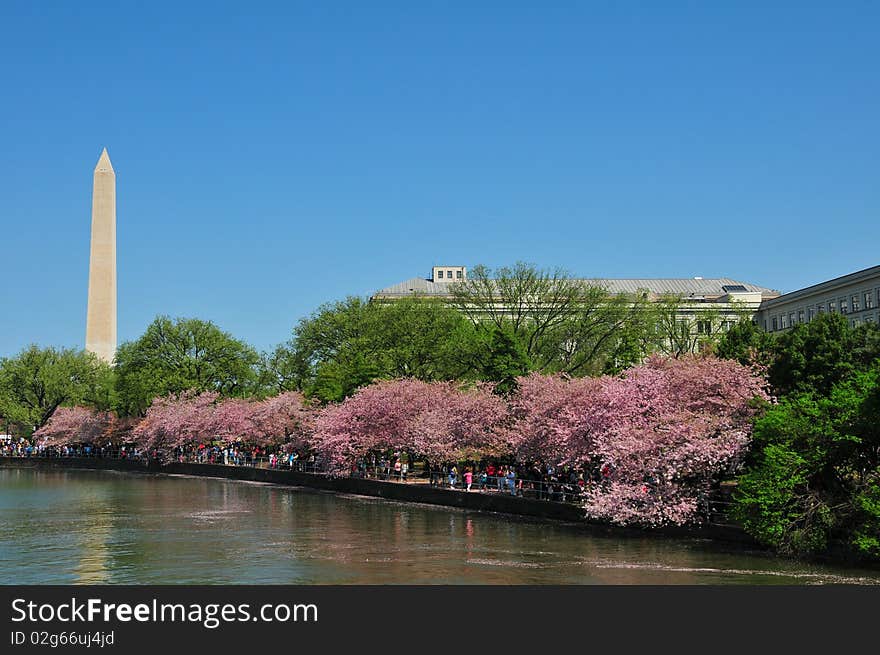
63	527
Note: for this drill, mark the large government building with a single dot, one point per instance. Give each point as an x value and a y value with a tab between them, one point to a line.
704	306
856	295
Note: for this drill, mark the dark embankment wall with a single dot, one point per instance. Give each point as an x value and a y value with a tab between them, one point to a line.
414	493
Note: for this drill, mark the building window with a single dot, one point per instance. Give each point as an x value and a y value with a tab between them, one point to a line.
869	300
439	275
775	324
821	309
800	316
811	313
791	320
832	306
855	303
844	306
458	274
704	327
449	274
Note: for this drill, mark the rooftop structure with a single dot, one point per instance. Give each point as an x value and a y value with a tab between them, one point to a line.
704	306
697	289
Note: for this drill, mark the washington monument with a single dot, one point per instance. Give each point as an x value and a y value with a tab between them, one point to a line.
101	320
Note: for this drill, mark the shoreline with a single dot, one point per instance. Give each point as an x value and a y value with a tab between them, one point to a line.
393	491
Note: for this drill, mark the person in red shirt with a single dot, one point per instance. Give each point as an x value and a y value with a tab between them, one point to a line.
490	473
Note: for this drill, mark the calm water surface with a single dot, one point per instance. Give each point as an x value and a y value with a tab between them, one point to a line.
62	527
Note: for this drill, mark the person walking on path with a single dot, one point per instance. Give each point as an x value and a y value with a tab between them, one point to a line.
453	474
468	478
511	481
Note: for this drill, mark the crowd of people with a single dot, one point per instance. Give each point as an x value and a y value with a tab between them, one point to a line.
238	455
539	481
23	448
543	482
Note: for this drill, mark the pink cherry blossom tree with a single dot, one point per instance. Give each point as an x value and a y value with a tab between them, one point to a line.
675	428
376	418
175	421
76	425
554	418
461	423
439	421
285	421
230	420
662	432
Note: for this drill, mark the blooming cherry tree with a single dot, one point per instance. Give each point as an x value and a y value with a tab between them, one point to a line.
376	418
76	425
172	422
662	434
438	420
230	420
460	424
555	418
284	420
677	427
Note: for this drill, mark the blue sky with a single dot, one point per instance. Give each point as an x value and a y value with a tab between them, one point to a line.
274	156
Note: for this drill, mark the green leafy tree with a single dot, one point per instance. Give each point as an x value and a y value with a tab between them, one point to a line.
813	357
865	345
813	484
776	499
37	381
336	346
336	380
173	356
283	369
746	343
560	324
523	302
505	360
681	328
810	357
349	343
422	338
603	333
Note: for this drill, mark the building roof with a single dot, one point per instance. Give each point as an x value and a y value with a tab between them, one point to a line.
826	286
659	286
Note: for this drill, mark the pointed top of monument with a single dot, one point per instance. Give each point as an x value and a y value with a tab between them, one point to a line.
104	162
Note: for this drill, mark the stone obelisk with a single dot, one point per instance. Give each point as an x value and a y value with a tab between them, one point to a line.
101	320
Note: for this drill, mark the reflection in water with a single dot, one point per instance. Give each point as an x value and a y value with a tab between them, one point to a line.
108	527
91	568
